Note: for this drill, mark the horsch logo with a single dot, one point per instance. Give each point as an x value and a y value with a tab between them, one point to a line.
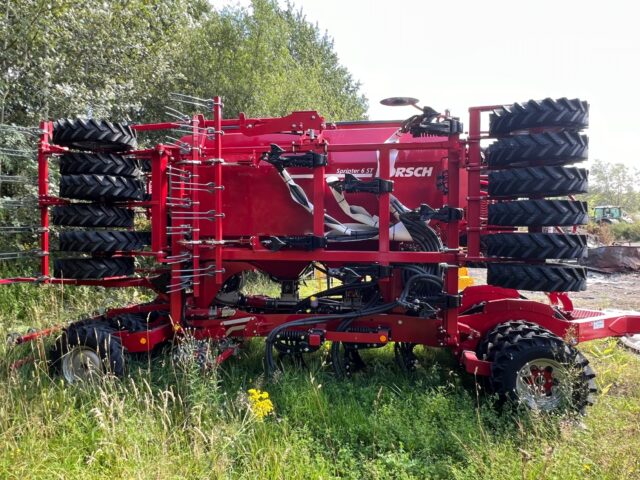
412	172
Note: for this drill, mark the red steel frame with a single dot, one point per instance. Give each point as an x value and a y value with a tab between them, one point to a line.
453	327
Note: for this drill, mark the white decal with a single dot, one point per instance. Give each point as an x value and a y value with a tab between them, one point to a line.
412	172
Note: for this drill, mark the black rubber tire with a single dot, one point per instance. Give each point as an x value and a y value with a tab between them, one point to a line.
95	334
101	187
93	268
73	163
538	181
517	346
537	278
526	213
536	246
130	322
103	241
99	135
548	113
486	347
88	215
551	148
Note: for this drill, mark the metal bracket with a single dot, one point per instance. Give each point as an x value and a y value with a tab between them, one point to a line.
351	184
303	242
444	214
306	160
353	272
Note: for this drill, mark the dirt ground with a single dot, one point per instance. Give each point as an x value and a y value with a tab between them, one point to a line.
618	291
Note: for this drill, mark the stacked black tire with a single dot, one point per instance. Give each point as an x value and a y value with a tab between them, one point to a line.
97	171
536	140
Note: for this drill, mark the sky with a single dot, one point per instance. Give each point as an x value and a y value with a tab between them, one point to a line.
457	54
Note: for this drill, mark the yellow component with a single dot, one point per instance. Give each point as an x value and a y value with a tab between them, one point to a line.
176	327
143	341
383	338
464	279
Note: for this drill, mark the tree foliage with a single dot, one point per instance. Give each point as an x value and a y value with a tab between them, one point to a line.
121	58
614	184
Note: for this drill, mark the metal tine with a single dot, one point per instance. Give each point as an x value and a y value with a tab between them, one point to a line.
35	131
12	152
17	179
199	184
195	187
191	100
171	168
190	128
179	227
179	175
182	117
21	254
17	203
208	215
183	146
179	286
187	204
7	230
181	230
185	232
183	257
203	271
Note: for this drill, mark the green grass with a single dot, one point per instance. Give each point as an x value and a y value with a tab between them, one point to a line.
175	421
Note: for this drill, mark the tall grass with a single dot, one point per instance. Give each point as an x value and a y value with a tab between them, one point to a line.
170	419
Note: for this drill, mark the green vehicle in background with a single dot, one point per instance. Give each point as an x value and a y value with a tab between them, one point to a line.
610	214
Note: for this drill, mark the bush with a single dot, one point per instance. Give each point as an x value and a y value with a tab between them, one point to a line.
629	232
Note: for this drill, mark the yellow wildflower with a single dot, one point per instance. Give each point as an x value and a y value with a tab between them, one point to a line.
260	404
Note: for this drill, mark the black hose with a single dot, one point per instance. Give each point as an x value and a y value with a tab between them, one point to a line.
348	317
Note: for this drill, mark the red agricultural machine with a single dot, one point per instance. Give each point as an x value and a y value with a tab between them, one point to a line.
389	210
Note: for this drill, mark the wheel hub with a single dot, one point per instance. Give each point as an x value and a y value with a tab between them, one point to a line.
542	384
81	364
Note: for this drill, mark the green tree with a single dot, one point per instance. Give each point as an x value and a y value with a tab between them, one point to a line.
613	184
265	60
68	58
120	59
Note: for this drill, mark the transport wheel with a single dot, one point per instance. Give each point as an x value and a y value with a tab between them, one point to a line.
486	347
101	187
632	342
538	278
535	368
103	241
99	163
131	322
93	268
88	350
405	357
538	181
90	215
536	246
538	213
551	148
560	113
94	134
